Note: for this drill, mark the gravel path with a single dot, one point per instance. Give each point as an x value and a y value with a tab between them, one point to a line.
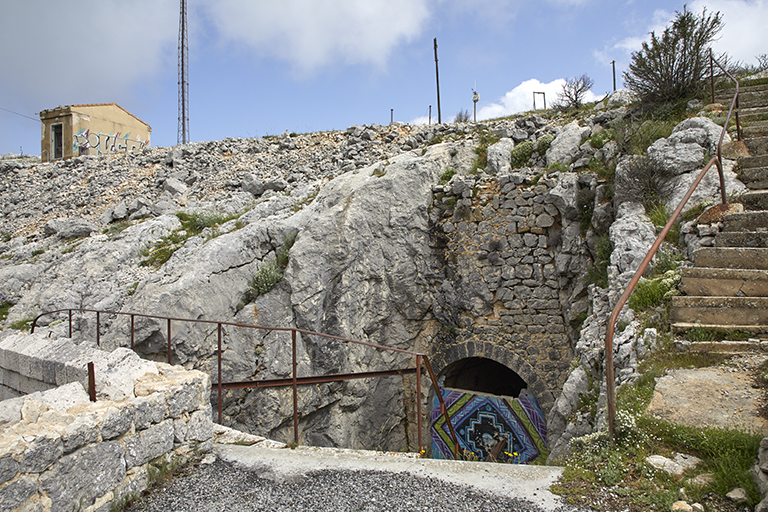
223	487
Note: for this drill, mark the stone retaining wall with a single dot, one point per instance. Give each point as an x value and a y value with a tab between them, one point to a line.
59	451
516	254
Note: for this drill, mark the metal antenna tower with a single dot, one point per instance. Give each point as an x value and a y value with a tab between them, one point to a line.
182	136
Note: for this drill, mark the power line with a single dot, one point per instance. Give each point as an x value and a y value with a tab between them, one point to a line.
22	115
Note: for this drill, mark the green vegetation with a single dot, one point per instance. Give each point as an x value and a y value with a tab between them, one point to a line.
601	138
5	237
22	325
447	175
5	305
192	224
486	139
38	252
672	67
298	205
116	228
595	463
651	293
521	154
269	274
542	145
598	273
132	288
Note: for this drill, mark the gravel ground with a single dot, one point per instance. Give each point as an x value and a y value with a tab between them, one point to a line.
223	486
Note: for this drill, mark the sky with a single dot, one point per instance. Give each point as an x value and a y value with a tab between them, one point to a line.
263	67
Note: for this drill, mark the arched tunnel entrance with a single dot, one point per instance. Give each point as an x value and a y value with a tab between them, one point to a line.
495	417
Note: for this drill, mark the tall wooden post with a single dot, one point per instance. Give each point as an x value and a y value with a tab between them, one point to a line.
437	77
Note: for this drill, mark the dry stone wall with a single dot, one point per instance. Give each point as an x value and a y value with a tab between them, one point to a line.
514	254
59	451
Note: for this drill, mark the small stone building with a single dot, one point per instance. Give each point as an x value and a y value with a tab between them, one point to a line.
91	129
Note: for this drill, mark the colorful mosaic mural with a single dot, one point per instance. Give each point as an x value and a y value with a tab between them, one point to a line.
481	421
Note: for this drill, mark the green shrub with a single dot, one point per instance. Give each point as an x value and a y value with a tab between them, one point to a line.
598	273
673	66
266	277
521	154
486	139
542	145
5	305
446	176
600	138
650	293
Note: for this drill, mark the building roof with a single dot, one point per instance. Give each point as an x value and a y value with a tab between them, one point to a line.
111	104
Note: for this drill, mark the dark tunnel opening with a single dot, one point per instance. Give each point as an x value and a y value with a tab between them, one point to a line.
484	376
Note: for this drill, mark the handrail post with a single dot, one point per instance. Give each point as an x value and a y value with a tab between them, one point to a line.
219	384
70	323
295	391
91	382
133	318
443	408
98	328
169	341
418	401
712	74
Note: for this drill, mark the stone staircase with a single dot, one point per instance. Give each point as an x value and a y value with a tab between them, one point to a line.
727	289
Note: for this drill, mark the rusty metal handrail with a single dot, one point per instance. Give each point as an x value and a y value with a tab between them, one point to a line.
610	382
294	381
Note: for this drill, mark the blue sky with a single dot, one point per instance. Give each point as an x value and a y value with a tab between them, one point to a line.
260	67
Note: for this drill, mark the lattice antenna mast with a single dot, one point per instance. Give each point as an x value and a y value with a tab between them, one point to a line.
182	137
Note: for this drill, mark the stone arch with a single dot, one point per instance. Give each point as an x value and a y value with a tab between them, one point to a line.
536	384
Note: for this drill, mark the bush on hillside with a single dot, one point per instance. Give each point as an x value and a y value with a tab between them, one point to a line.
575	91
673	66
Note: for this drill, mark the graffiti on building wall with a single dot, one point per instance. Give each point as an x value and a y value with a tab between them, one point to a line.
515	427
84	142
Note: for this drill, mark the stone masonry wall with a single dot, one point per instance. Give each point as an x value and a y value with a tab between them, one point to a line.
505	297
59	451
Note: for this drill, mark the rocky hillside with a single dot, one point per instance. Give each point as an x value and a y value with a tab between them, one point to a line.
349	220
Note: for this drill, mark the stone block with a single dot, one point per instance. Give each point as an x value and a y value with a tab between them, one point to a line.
116	420
82	476
42	451
149	444
14	494
9	468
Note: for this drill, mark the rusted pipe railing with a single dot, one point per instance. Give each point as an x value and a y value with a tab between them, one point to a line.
294	381
610	382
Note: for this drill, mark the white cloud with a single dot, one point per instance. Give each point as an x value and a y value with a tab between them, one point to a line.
744	35
58	52
520	99
313	33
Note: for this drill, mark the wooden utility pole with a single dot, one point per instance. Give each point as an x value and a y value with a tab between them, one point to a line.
437	76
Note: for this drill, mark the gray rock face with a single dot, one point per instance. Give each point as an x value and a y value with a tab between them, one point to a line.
84	475
500	156
565	147
69	228
684	150
632	234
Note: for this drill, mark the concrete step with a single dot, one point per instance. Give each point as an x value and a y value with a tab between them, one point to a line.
745	221
755	200
753	113
755	178
757	145
750	162
755	129
742	239
727	311
732	257
724	282
722	347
